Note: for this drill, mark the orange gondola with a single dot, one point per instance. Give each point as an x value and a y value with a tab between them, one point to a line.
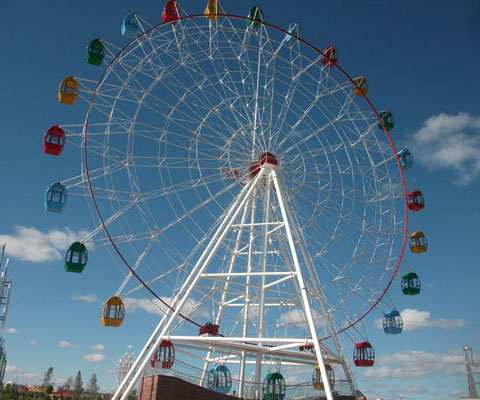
113	312
68	91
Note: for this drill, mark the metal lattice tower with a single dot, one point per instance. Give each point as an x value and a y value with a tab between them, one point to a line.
470	373
4	285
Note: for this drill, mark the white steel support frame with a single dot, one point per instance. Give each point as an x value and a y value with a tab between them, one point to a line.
268	177
318	290
180	299
470	373
4	284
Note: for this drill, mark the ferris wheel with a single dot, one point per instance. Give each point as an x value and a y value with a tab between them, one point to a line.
248	184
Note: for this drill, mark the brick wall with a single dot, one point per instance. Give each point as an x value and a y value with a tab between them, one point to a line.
159	387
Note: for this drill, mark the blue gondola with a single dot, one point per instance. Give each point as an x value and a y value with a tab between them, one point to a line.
56	198
295	30
130	26
219	379
392	323
406	158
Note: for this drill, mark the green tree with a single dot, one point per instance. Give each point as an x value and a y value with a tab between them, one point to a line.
92	385
48	389
78	385
9	392
47	378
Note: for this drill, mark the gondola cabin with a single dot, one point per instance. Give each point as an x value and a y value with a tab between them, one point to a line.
76	257
405	158
392	323
164	357
130	26
170	12
387	119
208	329
307	347
255	17
219	379
273	387
330	57
267	158
68	91
212	10
95	52
418	243
113	312
363	355
411	285
415	200
56	198
317	378
361	86
54	140
294	29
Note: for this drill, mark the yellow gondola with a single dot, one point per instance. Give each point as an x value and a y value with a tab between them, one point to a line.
362	86
68	91
213	7
113	312
317	378
418	243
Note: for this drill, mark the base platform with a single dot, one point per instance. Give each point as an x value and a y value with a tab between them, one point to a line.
159	387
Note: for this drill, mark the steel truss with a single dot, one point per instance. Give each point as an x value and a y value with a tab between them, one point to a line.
277	216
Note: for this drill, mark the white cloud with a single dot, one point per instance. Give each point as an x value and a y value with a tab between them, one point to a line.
95	358
297	317
21	375
31	244
13	369
413	364
67	345
98	347
33	342
11	331
87	298
416	389
414	320
149	306
154	306
457	393
450	141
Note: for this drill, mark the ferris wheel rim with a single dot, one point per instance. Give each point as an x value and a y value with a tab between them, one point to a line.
315	49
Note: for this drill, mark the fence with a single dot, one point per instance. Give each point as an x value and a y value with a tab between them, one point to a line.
191	374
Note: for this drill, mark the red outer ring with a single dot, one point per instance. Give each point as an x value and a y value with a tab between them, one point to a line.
314	49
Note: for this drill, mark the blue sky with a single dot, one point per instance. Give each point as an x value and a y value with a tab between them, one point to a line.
422	62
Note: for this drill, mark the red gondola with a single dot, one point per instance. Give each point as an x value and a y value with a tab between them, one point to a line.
415	200
305	347
331	57
170	12
54	140
165	355
363	355
267	158
209	329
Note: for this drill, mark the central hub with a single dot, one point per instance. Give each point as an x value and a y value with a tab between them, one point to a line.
267	158
264	158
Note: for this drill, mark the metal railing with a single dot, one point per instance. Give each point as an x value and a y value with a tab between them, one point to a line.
191	374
